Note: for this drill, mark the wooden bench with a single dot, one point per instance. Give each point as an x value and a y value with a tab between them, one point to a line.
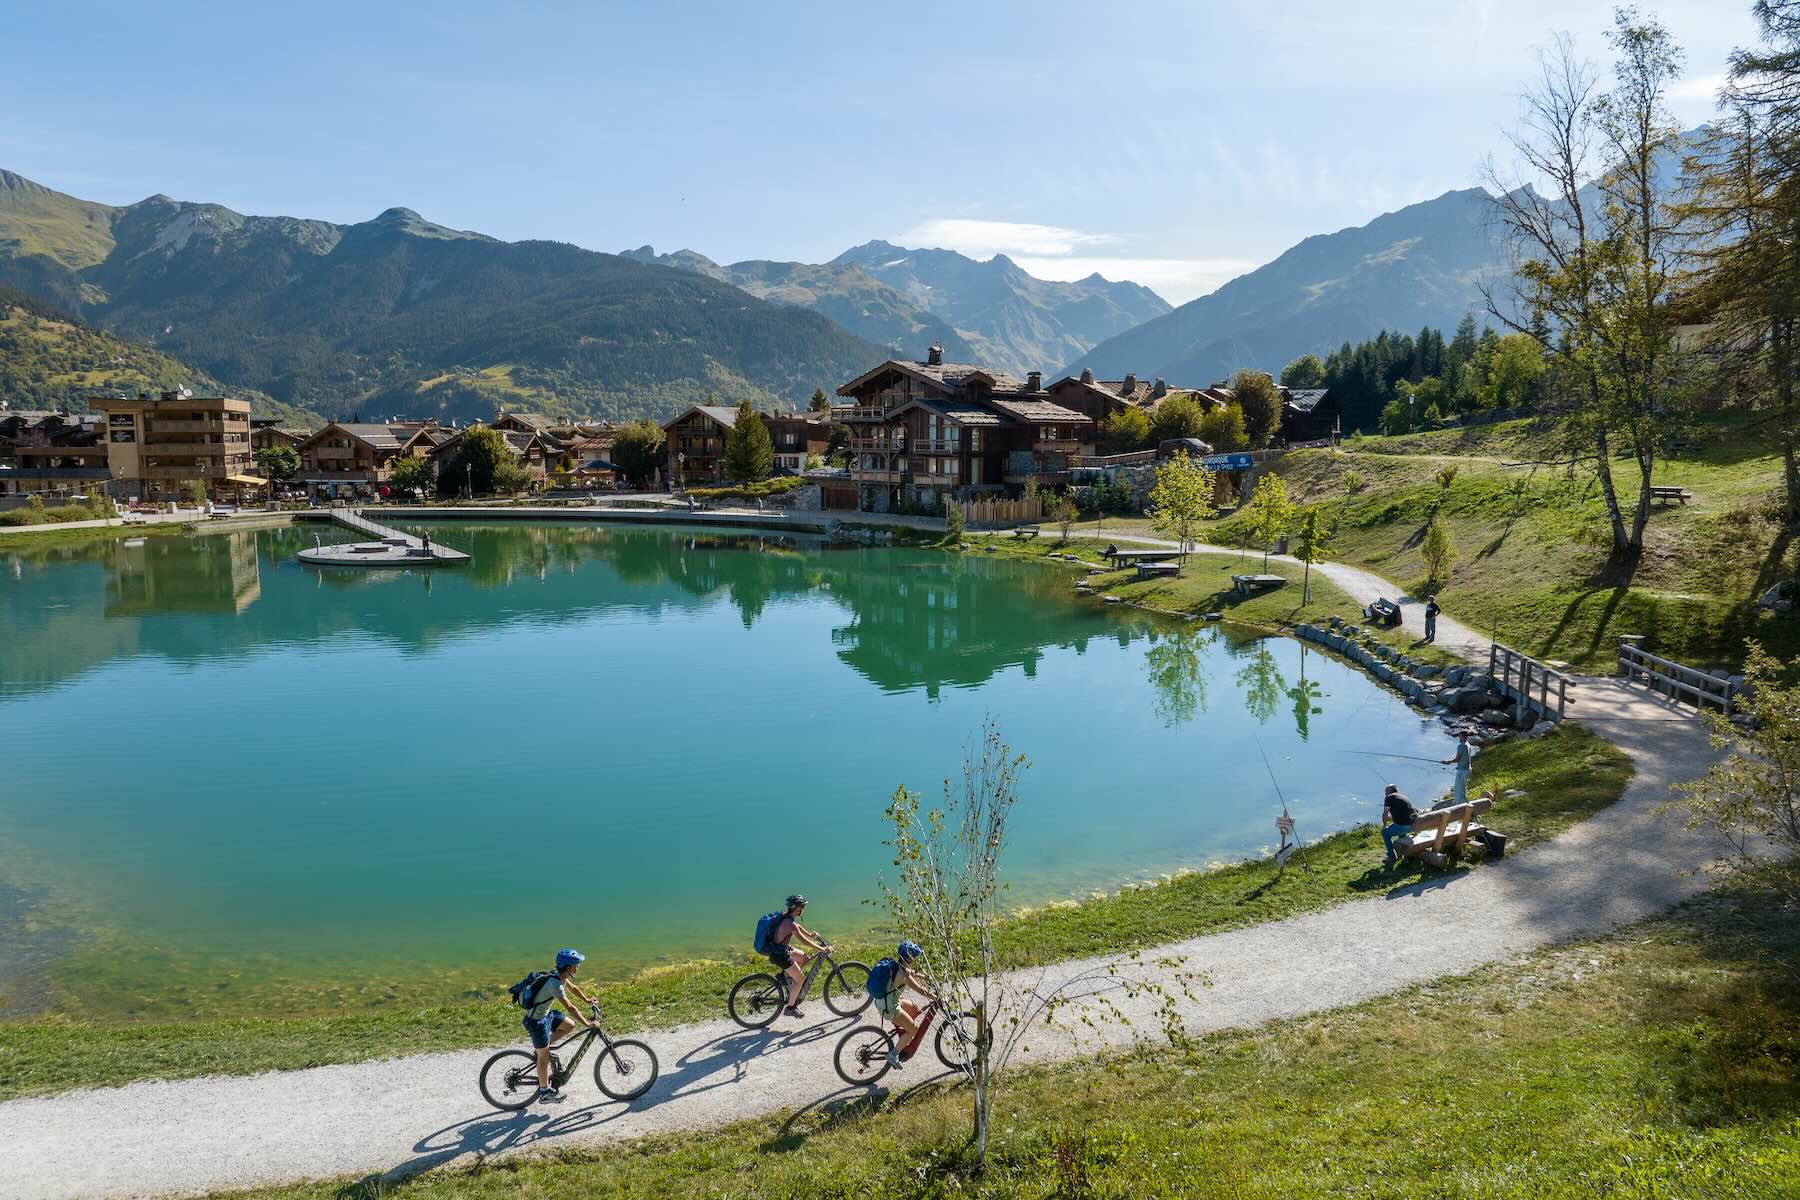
1132	557
1157	570
1440	835
1662	494
1026	531
1383	612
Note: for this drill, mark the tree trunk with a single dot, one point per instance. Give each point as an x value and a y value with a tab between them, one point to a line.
1306	584
1781	339
1603	469
1646	459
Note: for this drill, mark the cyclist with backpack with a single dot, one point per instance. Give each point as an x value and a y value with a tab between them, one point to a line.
774	935
537	994
888	978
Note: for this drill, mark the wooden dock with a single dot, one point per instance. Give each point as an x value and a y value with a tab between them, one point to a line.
391	548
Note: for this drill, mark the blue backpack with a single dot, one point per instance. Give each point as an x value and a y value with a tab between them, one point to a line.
765	929
524	993
881	978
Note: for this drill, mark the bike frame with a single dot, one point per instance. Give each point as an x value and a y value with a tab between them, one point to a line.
817	963
588	1038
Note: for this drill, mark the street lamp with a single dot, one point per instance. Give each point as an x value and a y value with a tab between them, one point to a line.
469	478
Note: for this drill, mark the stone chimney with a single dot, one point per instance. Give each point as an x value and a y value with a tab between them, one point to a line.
1087	374
1159	391
1130	385
934	357
1035	381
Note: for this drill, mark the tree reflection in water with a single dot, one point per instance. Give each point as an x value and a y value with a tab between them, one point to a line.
1303	694
1261	680
1177	678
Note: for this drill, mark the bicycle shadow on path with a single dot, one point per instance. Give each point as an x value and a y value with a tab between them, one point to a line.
847	1104
481	1138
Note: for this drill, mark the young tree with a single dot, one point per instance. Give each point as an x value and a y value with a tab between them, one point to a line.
1304	372
278	464
1257	395
947	898
820	402
1125	431
956	522
480	451
1178	416
409	473
1437	551
1061	512
749	453
1753	796
1181	498
1223	429
1271	513
637	450
196	493
1311	545
510	478
1509	372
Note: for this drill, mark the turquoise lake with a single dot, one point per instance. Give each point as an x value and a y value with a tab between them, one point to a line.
221	763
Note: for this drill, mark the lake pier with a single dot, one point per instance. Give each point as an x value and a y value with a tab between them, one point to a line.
392	549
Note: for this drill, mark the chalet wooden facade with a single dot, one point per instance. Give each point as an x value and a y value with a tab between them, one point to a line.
696	441
924	432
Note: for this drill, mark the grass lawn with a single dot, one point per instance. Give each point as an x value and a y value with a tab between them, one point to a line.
1663	1061
1567	776
1204	585
1531	540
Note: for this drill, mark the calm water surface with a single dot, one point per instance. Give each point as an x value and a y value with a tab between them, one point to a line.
234	781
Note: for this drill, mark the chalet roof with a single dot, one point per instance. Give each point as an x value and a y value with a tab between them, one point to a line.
537	421
951	377
381	437
720	413
520	442
962	412
1305	399
1041	410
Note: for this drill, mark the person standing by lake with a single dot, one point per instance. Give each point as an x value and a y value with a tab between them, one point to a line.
1431	616
1462	759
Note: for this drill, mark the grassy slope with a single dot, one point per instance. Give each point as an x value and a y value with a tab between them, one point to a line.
1661	1062
1566	776
1532	542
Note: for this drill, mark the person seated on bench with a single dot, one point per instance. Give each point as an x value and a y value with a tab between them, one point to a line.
1397	817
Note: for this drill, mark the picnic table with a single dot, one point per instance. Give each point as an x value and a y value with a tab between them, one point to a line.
1249	585
1133	557
1662	493
1155	570
1026	531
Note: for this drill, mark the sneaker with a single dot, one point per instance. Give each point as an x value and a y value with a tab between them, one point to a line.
549	1096
894	1062
793	1011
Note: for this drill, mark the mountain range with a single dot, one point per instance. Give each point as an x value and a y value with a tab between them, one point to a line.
1421	265
990	311
398	315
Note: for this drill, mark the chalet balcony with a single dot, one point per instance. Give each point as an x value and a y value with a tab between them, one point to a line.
861	412
925	446
197	471
936	481
158	425
1059	446
877	445
875	475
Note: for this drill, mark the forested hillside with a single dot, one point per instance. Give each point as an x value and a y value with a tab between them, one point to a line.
401	316
49	359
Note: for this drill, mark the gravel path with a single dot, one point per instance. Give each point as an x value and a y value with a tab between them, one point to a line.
398	1117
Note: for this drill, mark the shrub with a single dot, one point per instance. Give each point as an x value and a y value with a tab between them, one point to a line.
955	523
1437	550
1354	482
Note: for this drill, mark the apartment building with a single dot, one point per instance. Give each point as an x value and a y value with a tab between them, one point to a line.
158	447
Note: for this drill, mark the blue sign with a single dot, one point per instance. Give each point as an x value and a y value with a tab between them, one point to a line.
1226	462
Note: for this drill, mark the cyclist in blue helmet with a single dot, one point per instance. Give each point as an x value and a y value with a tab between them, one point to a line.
908	963
543	1021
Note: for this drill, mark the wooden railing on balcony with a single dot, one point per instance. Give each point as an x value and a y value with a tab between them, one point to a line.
874	475
877	445
861	412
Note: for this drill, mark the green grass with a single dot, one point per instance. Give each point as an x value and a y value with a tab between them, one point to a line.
1532	540
1567	776
1663	1061
757	490
53	514
1204	585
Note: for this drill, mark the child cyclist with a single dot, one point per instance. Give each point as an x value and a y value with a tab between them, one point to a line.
887	980
542	1020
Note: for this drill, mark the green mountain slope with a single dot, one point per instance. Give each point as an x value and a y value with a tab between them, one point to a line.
49	359
990	312
401	316
1422	265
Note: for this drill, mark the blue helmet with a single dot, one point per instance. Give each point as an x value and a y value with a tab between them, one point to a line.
910	950
568	958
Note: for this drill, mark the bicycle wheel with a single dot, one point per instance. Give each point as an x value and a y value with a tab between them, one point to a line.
956	1042
846	989
862	1055
509	1080
626	1070
756	1000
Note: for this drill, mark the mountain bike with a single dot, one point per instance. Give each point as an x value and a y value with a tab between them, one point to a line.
625	1070
756	1000
862	1054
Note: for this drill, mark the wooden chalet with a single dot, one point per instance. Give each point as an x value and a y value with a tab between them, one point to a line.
1309	414
51	454
351	457
923	432
796	437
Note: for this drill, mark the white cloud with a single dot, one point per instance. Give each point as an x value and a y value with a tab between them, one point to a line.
1695	99
1176	280
984	239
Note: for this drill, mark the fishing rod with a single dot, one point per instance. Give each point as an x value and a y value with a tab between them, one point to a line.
1286	823
1408	757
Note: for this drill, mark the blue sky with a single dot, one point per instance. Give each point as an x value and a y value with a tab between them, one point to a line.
1178	144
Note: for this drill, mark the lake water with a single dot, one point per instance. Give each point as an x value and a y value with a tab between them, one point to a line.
232	781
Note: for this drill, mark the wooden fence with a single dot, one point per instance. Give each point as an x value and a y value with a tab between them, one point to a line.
996	512
1674	680
1534	685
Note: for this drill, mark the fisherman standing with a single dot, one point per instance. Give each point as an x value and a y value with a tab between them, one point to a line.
1463	759
1431	616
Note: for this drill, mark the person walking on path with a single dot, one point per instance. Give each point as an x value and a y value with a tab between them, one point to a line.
1462	760
1397	817
1431	616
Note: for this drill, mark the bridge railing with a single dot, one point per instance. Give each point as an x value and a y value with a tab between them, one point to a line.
1535	685
1673	679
